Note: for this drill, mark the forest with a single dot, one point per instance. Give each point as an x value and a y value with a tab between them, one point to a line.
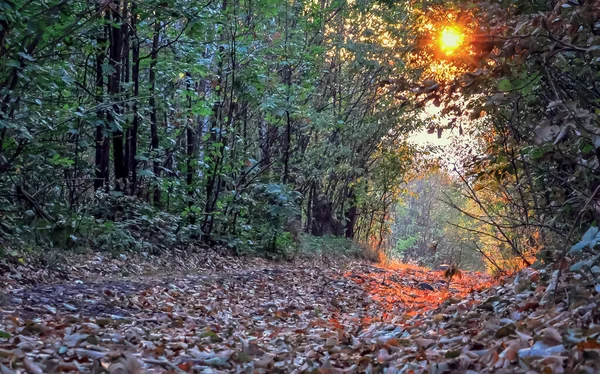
302	186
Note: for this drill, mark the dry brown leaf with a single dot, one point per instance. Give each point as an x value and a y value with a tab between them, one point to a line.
127	365
551	336
32	367
265	361
424	343
330	371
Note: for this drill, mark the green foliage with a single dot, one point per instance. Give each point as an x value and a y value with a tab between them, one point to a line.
403	245
152	124
329	246
274	205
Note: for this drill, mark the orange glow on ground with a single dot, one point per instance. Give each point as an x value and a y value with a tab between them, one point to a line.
396	288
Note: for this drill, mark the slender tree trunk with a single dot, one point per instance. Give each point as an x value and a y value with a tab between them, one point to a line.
381	226
369	226
286	149
309	206
101	155
287	79
126	79
190	144
114	90
75	177
154	111
135	73
212	176
351	214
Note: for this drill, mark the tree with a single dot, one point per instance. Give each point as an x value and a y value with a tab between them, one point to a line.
205	110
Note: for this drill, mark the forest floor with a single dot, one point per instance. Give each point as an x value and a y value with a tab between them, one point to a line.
212	314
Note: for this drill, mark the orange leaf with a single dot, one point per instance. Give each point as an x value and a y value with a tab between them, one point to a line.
588	344
185	366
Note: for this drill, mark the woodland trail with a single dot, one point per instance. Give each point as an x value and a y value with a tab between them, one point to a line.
273	317
281	318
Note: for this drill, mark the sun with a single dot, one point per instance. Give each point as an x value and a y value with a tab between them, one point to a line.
450	39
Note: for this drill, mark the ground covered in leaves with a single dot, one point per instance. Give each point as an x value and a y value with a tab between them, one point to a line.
319	317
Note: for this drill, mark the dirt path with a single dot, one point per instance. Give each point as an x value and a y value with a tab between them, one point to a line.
292	318
108	298
270	318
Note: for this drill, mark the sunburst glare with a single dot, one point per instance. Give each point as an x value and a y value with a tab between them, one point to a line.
451	38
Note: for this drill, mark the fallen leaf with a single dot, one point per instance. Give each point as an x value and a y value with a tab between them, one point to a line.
551	336
32	367
424	343
87	353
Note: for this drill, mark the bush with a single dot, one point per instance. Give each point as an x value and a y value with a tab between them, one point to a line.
333	246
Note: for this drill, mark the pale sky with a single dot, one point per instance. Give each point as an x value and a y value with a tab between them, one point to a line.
423	138
433	115
448	140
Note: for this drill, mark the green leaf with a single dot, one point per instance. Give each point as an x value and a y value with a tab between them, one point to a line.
588	148
578	247
273	188
504	85
578	266
146	173
590	234
4	335
25	56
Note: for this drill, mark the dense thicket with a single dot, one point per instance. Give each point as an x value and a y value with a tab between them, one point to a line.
242	121
543	126
530	75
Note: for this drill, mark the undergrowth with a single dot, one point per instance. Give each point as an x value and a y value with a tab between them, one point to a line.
334	246
117	224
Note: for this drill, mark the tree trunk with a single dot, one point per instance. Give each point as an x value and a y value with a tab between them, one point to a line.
351	215
154	111
126	79
286	150
101	158
114	90
309	206
190	144
135	75
213	165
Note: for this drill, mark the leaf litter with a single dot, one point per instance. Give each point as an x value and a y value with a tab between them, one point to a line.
263	317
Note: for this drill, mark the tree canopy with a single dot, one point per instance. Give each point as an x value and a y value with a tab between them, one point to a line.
249	123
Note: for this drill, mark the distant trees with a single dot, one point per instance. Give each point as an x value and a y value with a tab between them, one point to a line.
428	228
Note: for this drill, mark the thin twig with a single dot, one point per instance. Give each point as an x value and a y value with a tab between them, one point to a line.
568	238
